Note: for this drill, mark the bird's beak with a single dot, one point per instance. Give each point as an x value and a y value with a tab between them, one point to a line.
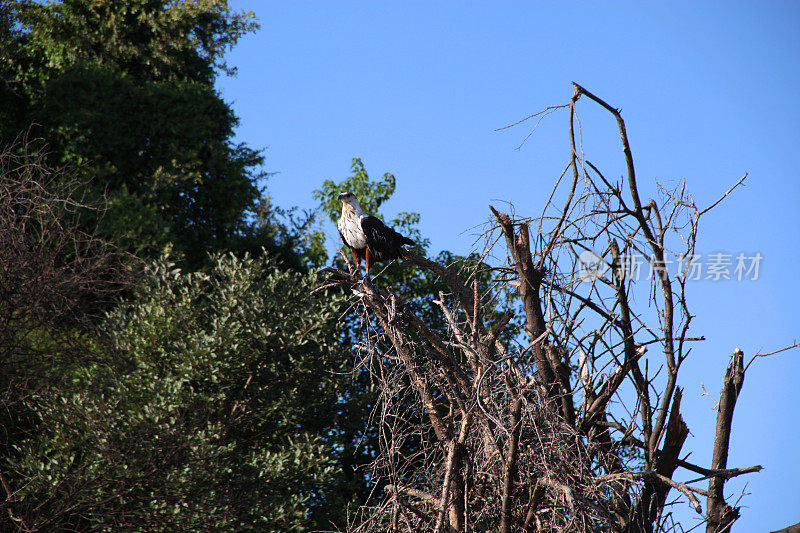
341	196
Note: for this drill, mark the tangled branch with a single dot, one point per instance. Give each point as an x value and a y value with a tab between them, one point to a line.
579	426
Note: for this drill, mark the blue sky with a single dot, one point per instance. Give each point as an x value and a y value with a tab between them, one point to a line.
708	92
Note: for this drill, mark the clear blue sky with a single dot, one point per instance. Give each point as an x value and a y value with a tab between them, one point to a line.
709	91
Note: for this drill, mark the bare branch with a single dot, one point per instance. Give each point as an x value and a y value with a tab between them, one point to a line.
786	348
720	515
527	459
715	204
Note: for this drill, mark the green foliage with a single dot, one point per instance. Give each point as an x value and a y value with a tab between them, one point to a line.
145	39
214	421
164	146
229	406
296	239
123	92
370	194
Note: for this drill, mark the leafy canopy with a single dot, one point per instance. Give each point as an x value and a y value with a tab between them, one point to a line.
215	418
123	92
145	39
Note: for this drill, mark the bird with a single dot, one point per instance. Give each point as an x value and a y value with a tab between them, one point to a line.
366	236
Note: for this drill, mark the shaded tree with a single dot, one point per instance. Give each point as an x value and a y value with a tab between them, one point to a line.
124	92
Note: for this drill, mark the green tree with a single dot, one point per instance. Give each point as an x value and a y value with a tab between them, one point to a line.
123	92
214	421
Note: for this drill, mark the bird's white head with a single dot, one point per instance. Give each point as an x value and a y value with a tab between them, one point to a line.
350	202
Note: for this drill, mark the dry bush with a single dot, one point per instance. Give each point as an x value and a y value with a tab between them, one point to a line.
55	277
55	280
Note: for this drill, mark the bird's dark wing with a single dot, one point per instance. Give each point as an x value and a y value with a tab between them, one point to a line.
385	242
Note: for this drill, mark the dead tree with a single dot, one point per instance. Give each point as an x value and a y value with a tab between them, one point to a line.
576	427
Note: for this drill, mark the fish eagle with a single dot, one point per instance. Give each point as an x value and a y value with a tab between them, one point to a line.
366	236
